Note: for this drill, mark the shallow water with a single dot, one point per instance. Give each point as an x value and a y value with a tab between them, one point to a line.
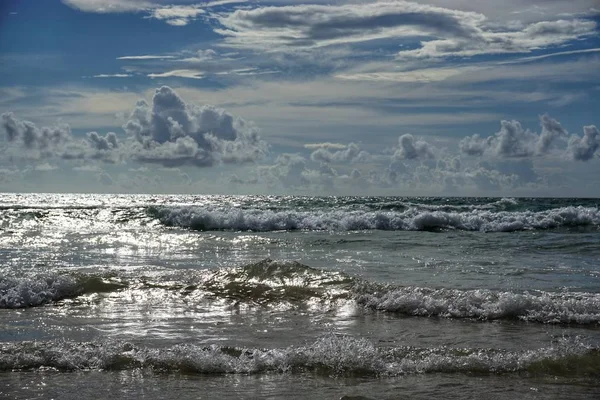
264	297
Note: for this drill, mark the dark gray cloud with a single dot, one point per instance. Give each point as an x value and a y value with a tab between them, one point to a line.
30	136
172	133
33	142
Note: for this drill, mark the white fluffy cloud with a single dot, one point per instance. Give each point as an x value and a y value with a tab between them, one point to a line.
410	148
514	141
584	149
171	132
287	171
351	153
168	132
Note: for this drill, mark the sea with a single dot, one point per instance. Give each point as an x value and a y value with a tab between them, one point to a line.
297	297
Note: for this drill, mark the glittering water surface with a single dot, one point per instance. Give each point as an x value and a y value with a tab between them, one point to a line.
266	297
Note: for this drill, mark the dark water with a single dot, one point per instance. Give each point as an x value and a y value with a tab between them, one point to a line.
267	297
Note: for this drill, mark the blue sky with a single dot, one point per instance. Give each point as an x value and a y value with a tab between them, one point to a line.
436	97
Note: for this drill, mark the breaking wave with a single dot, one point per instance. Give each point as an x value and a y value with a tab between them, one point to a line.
277	283
42	289
545	307
411	219
329	355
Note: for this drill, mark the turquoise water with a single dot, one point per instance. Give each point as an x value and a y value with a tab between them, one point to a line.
130	296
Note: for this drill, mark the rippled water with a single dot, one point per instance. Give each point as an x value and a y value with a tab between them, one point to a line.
266	297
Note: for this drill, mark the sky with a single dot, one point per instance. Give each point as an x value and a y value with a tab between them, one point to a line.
407	98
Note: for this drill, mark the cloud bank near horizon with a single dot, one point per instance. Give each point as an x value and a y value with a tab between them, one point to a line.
172	133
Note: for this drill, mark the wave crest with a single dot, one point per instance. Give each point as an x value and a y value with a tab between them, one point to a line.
412	219
42	289
291	284
330	355
551	308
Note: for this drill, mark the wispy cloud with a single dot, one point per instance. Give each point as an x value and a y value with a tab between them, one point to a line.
112	76
246	72
172	14
146	57
421	75
442	31
110	6
179	73
560	53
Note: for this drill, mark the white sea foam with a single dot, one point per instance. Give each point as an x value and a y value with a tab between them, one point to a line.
35	291
337	355
276	283
416	219
580	308
42	289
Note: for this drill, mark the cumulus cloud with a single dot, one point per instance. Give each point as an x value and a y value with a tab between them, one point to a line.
100	142
551	130
32	137
352	153
168	132
489	179
171	132
288	171
56	141
584	149
411	149
512	140
448	175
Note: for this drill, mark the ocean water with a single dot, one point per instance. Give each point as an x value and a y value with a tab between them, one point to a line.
222	297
